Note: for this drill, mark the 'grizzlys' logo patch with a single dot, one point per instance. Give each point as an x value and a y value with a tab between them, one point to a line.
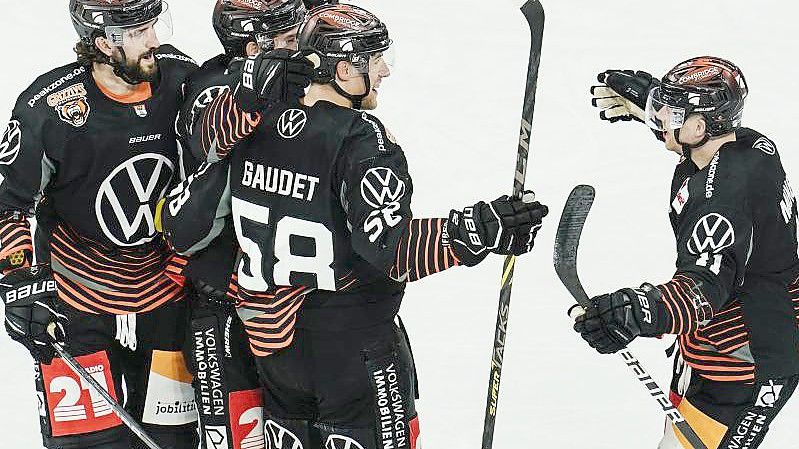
71	104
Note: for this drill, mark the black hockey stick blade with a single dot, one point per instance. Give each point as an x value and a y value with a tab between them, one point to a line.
534	13
567	240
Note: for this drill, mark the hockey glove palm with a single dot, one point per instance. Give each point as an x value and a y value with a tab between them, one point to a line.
504	226
269	77
617	318
31	310
622	95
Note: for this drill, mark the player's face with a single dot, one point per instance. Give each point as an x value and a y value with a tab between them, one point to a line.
378	69
288	39
692	131
139	46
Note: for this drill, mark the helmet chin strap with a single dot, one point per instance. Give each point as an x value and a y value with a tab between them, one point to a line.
356	100
687	147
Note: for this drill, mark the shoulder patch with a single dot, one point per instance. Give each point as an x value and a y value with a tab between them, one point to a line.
71	104
65	78
765	145
711	176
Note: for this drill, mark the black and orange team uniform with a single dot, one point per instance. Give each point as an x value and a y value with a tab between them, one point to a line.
312	287
226	385
320	202
734	300
93	167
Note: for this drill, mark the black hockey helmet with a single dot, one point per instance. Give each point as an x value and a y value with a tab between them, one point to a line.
706	85
338	32
93	18
237	22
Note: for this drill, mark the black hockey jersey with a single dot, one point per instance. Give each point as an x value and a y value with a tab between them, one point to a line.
734	293
320	200
101	166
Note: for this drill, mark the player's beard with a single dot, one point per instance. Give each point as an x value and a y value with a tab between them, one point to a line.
138	69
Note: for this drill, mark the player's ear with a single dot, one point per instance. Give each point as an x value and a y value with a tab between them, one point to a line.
344	70
102	44
252	48
701	127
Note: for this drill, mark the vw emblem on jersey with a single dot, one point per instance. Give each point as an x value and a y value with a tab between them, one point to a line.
381	186
11	143
712	233
291	123
126	199
278	437
201	102
341	442
765	145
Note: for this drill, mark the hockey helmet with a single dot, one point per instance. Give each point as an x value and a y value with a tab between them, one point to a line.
706	85
237	22
112	18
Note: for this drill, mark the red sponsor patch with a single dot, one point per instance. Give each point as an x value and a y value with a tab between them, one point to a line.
247	419
73	406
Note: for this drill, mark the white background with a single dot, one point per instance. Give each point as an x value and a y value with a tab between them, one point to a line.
454	104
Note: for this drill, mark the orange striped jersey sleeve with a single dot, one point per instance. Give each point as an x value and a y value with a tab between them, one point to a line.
423	250
15	240
224	124
686	304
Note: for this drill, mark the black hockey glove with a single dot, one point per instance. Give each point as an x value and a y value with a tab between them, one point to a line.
31	309
504	226
622	95
617	318
269	77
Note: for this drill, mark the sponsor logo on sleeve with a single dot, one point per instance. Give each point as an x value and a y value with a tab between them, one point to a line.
71	104
291	123
216	437
712	233
765	145
11	143
787	202
383	190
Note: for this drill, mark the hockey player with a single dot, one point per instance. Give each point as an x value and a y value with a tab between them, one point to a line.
91	147
216	333
734	298
320	195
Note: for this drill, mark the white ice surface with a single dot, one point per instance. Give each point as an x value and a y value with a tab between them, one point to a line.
454	104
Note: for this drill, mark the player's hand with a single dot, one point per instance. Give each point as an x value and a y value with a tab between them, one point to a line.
32	315
275	76
622	95
616	319
504	226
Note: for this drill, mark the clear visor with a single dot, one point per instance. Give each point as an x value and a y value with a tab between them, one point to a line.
152	32
286	39
661	116
383	62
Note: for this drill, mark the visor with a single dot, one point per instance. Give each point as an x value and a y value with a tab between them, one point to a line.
660	115
139	33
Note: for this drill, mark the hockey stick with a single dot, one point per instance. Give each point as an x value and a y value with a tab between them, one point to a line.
118	410
534	13
567	240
